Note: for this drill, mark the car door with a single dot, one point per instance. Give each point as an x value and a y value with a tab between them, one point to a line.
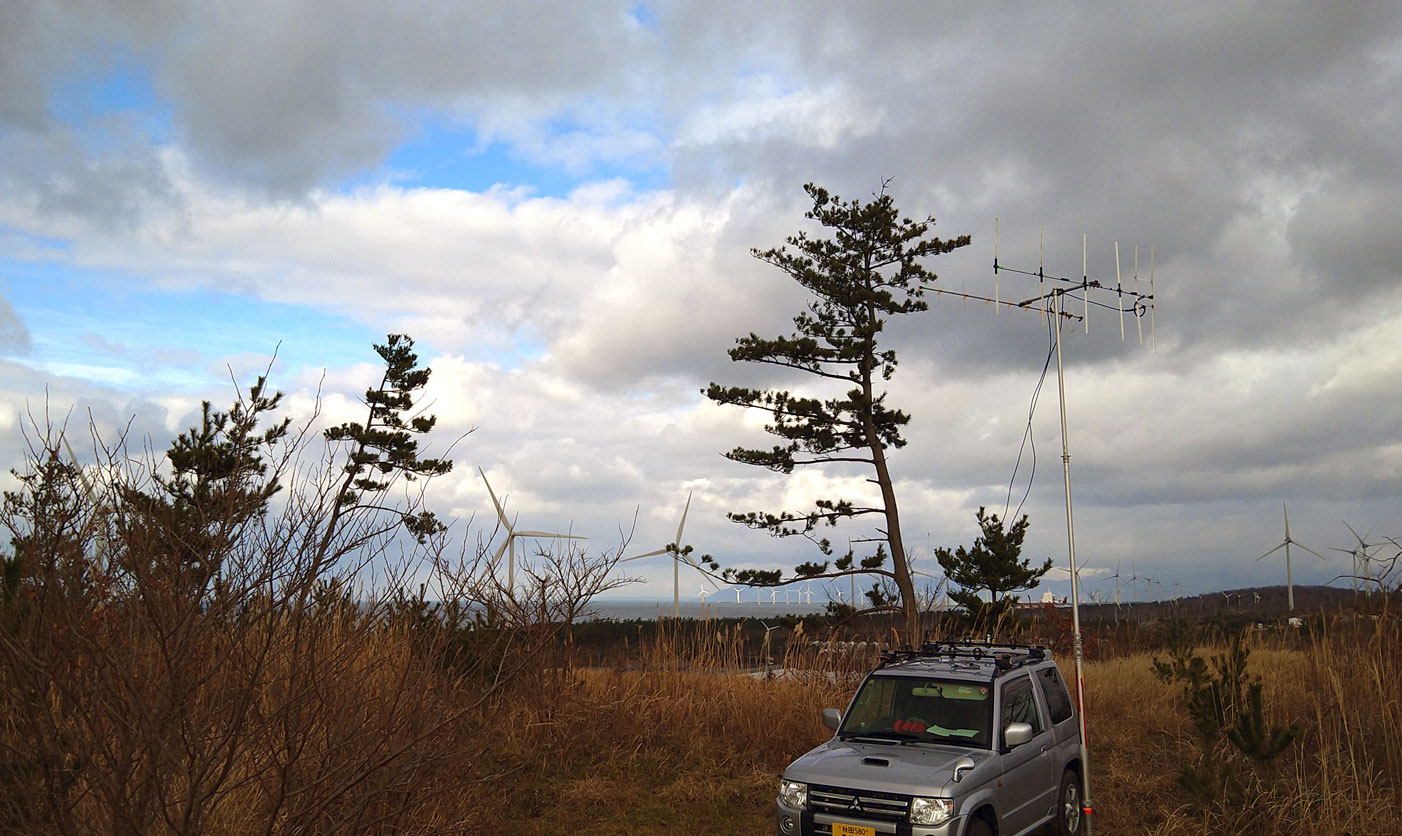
1062	715
1029	785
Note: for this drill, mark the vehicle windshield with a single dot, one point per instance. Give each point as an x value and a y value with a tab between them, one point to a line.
910	709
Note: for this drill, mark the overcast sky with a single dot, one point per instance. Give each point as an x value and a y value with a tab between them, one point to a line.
558	200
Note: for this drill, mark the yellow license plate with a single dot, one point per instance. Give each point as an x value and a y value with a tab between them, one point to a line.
852	830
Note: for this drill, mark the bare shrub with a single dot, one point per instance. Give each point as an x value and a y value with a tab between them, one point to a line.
236	638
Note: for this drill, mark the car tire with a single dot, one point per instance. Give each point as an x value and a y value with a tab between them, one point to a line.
978	827
1070	818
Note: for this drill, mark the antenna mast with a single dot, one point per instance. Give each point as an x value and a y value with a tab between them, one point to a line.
1050	304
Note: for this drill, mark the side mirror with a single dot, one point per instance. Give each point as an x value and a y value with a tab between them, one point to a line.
961	766
1016	734
832	718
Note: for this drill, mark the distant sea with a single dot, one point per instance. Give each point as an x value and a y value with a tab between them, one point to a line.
717	606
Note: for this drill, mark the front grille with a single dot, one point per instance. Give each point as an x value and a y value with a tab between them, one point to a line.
859	804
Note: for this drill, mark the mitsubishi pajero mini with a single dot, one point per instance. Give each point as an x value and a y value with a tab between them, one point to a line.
954	739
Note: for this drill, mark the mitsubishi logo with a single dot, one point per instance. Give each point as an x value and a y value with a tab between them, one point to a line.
855	806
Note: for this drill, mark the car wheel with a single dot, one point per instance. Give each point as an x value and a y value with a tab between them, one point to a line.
1070	821
978	827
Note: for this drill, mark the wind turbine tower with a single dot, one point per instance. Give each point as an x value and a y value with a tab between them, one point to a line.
1286	544
675	549
509	545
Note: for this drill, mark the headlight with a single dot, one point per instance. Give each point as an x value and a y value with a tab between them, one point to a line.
794	794
930	810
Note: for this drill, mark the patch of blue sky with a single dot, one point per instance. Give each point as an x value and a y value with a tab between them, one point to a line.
114	84
98	327
16	240
643	15
445	156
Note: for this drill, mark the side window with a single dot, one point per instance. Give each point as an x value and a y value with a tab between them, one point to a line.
1058	700
1020	704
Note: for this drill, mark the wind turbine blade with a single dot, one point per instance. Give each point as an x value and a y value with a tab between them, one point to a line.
500	513
1287	521
82	477
682	524
1310	550
1361	542
645	554
547	535
693	564
1274	550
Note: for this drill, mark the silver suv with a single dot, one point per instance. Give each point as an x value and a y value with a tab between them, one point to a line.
954	739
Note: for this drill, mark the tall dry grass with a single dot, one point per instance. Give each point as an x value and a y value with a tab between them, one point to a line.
359	725
697	747
135	700
1340	686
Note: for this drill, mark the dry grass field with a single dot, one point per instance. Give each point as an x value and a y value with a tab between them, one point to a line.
671	752
336	721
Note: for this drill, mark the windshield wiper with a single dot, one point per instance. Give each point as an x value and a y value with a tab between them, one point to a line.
883	736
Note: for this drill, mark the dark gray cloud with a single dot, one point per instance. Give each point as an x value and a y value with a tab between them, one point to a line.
1251	145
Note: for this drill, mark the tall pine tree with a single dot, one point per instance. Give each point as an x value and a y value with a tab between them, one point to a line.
870	269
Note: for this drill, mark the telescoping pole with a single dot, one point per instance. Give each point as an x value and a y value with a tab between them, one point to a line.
1086	807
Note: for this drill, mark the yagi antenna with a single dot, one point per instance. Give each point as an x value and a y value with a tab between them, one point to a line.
1041	277
1119	291
1137	321
995	267
1085	283
1048	303
1153	332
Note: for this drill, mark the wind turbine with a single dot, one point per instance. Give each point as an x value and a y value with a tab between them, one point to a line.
509	544
675	550
1286	544
1360	558
1116	576
765	651
99	509
1080	570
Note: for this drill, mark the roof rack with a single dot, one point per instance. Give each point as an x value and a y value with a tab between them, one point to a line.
1004	657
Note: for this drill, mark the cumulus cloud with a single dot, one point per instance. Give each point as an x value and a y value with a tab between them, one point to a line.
573	328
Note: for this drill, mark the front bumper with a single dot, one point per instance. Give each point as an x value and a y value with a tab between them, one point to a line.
809	823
